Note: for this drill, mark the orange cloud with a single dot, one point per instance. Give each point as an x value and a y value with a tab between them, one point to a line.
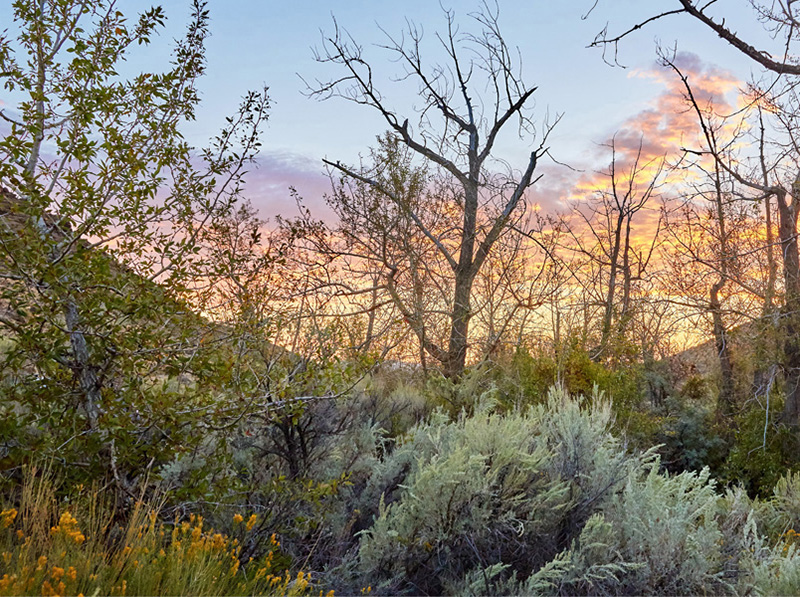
664	128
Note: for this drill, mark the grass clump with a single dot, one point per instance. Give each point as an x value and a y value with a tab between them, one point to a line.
51	546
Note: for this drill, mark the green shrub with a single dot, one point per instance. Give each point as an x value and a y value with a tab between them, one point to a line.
757	458
690	437
490	490
547	501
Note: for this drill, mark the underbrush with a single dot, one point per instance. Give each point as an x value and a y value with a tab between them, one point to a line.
71	546
407	485
546	500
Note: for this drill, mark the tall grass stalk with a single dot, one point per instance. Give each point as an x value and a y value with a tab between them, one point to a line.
51	546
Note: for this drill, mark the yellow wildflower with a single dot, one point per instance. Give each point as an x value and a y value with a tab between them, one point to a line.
237	518
251	522
67	520
48	589
72	574
56	573
7	517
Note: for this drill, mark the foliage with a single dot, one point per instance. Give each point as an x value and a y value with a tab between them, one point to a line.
101	209
489	489
524	378
529	472
690	437
546	501
757	458
55	547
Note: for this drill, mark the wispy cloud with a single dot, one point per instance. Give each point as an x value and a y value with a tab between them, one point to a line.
668	125
268	185
661	130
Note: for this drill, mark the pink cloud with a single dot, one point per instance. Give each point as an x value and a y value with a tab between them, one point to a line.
664	128
268	185
669	124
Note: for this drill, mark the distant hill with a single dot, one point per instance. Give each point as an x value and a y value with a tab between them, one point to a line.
745	340
182	315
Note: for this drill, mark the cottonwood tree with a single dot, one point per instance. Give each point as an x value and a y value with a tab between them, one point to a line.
102	206
777	173
467	102
726	236
599	231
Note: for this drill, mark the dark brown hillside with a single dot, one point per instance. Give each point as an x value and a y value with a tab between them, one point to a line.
750	347
183	317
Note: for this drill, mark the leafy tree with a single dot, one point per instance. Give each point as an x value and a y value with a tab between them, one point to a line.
102	207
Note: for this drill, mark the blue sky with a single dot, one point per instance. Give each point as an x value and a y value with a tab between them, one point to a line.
269	43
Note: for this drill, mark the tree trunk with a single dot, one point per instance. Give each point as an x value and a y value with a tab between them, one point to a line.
787	213
608	313
459	327
82	368
726	401
464	276
627	279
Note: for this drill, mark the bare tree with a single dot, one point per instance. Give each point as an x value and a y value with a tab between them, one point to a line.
455	136
781	179
599	232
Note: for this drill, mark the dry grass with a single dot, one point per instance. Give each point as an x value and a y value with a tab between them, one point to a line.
53	547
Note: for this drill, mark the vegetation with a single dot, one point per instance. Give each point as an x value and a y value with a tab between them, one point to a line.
411	400
76	547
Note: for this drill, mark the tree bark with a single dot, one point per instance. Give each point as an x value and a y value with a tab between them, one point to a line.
82	368
787	226
726	407
612	287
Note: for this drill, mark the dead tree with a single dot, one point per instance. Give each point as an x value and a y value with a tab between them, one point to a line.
457	127
599	232
782	19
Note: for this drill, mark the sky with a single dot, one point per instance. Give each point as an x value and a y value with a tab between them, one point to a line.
257	43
